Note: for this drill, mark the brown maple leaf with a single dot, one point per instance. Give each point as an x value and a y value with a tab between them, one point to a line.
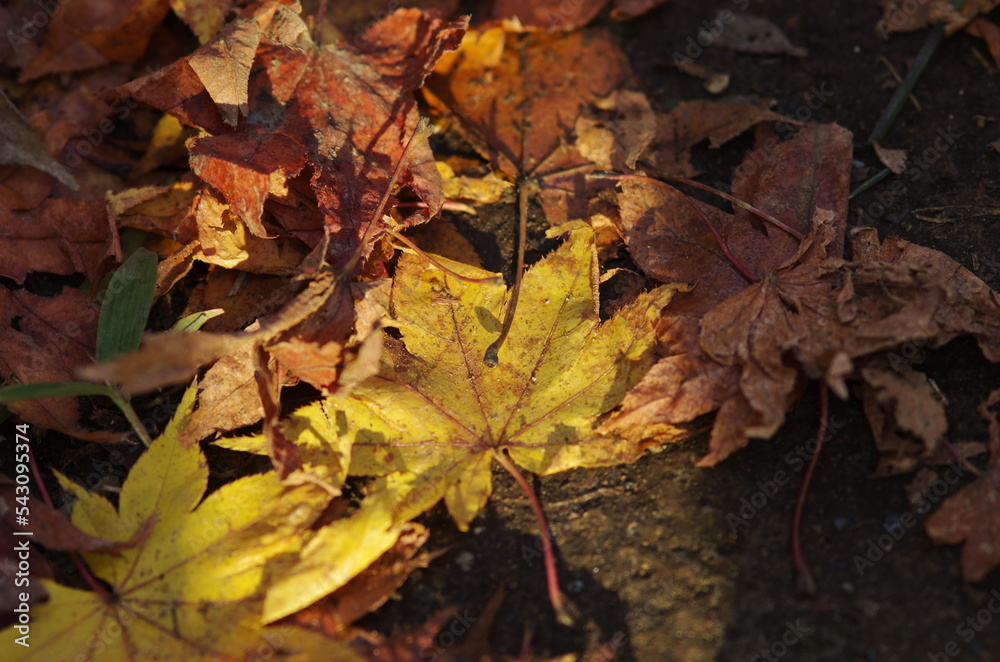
339	114
517	98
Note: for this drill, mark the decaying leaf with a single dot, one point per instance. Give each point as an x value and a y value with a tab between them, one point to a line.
59	237
44	340
342	111
972	515
22	146
752	34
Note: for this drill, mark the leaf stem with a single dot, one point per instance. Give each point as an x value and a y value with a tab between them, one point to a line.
804	582
524	189
551	576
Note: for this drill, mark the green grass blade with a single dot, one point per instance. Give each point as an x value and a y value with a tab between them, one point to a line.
126	306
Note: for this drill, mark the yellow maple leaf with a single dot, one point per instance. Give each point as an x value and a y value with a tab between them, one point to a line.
437	416
192	588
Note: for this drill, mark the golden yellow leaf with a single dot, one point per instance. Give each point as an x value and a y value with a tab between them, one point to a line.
191	589
435	415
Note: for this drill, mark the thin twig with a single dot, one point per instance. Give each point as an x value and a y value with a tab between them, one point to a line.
899	80
906	87
419	251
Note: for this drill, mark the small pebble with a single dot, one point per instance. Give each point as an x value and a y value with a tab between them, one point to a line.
465	561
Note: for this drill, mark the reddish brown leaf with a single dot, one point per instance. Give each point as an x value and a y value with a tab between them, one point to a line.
61	237
906	415
972	515
84	34
555	15
345	112
44	340
691	122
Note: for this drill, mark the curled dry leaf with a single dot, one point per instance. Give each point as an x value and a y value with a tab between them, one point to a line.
906	415
22	146
342	111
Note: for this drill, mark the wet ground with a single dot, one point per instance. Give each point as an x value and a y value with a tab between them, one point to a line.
672	562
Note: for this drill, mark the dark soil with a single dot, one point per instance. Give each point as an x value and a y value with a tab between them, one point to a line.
651	553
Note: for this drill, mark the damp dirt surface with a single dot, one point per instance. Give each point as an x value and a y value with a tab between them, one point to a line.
667	561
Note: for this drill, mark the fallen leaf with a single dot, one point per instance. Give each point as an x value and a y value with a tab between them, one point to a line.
553	15
516	98
972	515
85	34
751	34
22	146
191	589
893	159
559	371
906	415
339	109
44	340
60	237
990	33
692	122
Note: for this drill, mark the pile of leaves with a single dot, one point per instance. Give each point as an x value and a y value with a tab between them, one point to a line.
258	186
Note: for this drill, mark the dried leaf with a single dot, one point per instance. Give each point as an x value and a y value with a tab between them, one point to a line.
60	237
341	110
516	99
86	34
752	34
972	515
45	340
22	146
